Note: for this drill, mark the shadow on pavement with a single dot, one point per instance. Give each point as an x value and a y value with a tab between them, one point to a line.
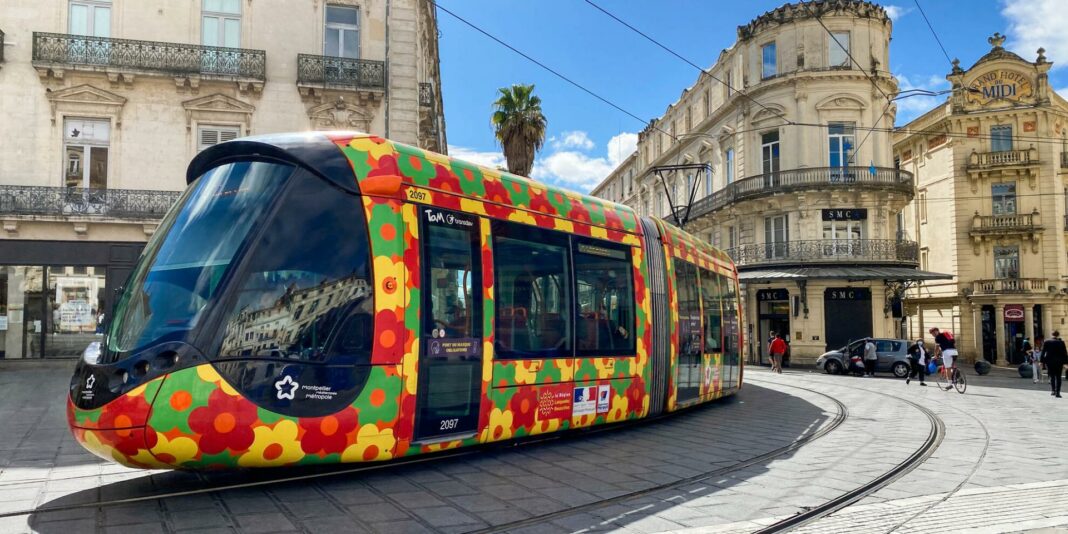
493	487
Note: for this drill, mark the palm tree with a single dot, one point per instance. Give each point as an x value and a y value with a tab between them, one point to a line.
519	126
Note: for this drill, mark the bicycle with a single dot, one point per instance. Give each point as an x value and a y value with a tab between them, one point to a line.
956	379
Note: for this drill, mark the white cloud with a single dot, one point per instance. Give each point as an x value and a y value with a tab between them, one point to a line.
572	169
896	12
1038	23
1063	92
577	139
910	107
621	146
488	159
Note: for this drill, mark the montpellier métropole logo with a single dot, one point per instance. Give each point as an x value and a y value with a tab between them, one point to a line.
287	383
90	382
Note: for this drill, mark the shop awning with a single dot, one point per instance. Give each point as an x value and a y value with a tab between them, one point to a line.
839	273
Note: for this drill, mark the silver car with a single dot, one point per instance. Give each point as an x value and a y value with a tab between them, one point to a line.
893	357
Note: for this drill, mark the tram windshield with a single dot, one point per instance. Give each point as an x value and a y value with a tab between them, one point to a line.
187	257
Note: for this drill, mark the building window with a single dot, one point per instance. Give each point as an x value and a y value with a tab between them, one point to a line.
769	152
729	167
708	182
923	258
838	50
342	35
841	138
212	135
776	235
923	207
1006	262
86	143
689	118
1001	138
645	207
901	225
841	238
90	17
221	23
708	103
768	65
661	206
728	78
732	237
1004	198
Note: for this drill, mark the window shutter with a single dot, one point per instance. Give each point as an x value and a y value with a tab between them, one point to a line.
213	135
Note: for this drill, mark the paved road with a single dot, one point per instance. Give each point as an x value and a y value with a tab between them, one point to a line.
999	468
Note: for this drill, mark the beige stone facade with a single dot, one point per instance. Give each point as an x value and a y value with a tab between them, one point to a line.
782	134
990	165
106	101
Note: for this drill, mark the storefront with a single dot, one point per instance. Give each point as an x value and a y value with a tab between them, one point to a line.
55	295
848	315
773	315
1012	333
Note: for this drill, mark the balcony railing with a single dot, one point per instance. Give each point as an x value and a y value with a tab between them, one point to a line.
426	95
827	251
1012	285
1007	158
77	201
81	51
340	72
804	179
995	224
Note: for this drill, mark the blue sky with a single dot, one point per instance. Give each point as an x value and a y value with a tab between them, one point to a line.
586	137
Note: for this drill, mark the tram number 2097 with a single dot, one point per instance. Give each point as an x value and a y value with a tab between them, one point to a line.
449	424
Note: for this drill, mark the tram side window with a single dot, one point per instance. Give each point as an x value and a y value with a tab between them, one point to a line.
306	294
712	298
532	283
605	299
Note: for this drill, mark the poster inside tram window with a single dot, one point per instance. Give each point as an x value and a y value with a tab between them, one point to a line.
73	310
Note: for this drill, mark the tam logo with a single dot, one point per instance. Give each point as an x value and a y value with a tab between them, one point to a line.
287	388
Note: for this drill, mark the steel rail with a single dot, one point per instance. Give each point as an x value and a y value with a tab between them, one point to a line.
919	456
841	414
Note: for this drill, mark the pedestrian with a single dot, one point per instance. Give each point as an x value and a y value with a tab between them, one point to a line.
918	362
1035	358
777	348
870	357
1054	357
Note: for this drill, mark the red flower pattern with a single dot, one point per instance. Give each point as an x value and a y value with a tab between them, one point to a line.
524	405
329	434
225	423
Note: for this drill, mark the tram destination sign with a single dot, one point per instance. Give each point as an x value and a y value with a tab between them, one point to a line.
854	214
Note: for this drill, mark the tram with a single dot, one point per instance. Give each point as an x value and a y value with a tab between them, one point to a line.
338	297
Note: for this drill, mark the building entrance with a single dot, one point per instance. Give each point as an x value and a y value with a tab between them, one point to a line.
773	316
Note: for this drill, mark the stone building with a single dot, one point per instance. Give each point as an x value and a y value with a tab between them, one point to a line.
790	170
106	101
990	165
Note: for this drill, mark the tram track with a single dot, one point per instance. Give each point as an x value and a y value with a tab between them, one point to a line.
841	415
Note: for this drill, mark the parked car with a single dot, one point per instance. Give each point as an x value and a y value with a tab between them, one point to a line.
893	357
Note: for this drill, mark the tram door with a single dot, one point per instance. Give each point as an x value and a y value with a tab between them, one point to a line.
688	374
450	362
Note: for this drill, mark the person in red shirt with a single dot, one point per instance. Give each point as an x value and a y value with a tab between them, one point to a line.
777	348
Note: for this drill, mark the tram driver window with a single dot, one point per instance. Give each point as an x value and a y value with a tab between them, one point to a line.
533	295
305	293
605	299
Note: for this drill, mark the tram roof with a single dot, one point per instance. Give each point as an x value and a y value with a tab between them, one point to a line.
342	156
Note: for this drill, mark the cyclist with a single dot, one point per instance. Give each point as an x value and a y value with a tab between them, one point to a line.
947	347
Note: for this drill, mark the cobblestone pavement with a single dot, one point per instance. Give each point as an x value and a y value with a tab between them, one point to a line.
1000	468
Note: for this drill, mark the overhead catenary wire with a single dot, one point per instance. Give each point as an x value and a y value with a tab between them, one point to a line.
933	32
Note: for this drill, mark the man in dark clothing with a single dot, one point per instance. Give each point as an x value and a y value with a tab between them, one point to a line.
918	362
1054	357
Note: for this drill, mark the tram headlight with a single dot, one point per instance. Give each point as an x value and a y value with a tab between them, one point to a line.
91	354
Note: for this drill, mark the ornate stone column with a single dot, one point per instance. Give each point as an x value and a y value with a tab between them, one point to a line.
1047	320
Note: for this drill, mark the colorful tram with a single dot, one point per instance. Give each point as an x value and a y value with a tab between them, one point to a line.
338	297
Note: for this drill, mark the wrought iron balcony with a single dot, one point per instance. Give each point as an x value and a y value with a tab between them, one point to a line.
996	286
805	179
881	251
1008	158
81	202
1005	224
426	95
340	72
60	50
